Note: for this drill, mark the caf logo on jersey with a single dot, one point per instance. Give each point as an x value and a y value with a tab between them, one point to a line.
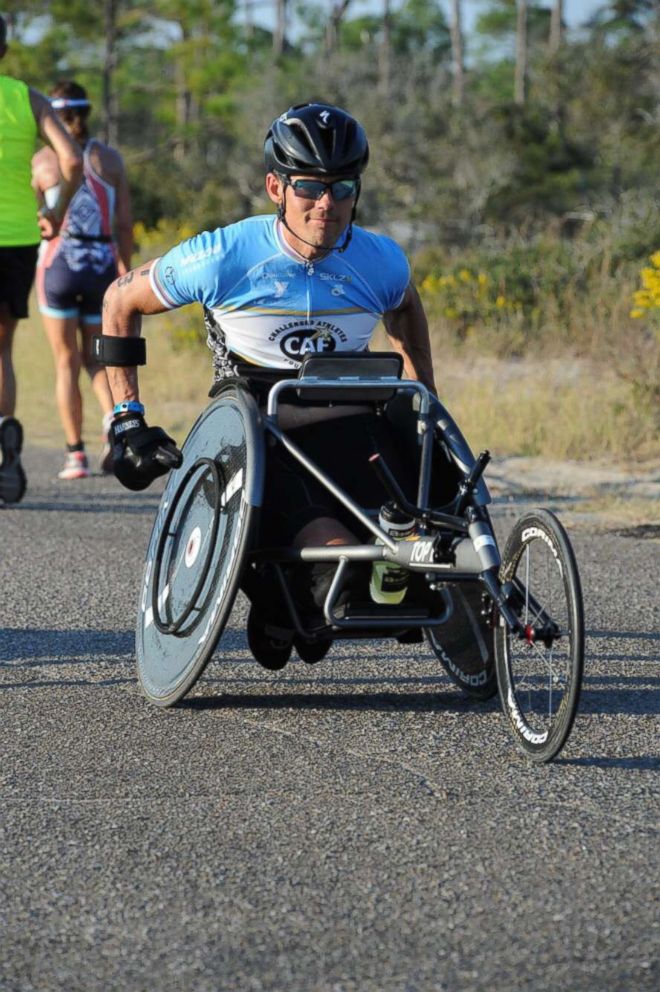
299	339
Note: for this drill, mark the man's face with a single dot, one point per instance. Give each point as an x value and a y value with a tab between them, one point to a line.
318	221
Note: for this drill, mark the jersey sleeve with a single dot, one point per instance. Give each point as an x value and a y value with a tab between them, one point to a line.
384	266
190	272
397	267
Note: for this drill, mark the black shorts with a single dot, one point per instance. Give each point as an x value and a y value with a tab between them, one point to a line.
17	267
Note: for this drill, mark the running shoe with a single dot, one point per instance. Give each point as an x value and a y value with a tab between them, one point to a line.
75	466
12	476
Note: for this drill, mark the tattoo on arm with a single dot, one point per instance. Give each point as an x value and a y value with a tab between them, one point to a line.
124	280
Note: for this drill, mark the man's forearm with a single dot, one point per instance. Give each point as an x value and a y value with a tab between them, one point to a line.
122	321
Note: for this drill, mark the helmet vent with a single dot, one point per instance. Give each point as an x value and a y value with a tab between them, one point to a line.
317	139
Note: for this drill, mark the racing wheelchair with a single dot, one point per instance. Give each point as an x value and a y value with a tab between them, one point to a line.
512	622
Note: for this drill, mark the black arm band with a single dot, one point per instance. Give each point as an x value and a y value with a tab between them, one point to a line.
110	350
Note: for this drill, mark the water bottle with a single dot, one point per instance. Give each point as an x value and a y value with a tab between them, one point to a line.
389	581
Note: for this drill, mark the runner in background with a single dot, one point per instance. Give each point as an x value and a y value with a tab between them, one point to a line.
94	245
24	114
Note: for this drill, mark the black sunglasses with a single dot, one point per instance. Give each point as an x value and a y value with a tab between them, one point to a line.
314	189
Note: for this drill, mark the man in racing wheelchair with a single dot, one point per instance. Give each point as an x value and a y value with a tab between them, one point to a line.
274	289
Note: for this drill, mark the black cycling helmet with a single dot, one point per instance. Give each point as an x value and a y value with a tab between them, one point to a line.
318	140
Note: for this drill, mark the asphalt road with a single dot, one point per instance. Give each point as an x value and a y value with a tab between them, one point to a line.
355	825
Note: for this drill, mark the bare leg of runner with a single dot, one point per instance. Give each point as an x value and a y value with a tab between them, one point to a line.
99	379
62	333
97	374
12	476
7	376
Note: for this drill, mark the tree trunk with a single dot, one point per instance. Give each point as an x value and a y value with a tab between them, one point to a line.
556	26
249	19
520	82
339	8
385	54
457	52
109	115
279	34
183	98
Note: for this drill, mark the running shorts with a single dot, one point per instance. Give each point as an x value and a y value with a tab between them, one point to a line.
17	265
63	291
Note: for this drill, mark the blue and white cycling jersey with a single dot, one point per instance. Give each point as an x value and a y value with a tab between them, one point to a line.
270	306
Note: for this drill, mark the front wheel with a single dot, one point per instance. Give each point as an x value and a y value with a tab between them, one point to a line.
539	672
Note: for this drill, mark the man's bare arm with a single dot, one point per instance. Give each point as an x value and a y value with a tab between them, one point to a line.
69	156
408	331
125	302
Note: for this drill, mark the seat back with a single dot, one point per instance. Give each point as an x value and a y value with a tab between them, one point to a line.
350	368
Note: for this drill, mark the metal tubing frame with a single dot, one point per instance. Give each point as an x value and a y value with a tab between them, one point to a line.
352	385
388	549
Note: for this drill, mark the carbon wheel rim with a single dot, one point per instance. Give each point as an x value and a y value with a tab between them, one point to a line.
540	679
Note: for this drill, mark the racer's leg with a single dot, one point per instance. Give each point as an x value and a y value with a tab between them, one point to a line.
7	376
322	531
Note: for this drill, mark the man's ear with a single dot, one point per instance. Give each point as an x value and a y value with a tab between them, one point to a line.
274	187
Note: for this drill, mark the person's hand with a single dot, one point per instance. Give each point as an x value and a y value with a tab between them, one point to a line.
141	454
49	224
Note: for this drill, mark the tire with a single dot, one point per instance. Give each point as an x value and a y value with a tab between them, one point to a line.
540	682
463	645
198	547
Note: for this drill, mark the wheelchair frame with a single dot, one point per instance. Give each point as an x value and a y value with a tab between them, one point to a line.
473	556
452	544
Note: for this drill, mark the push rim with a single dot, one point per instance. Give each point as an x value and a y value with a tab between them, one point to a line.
174	626
208	534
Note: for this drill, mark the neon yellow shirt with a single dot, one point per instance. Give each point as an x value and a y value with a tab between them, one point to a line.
18	131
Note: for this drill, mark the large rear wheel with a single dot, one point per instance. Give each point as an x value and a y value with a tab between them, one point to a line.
540	673
198	547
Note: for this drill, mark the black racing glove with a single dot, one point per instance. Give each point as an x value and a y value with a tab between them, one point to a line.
141	454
